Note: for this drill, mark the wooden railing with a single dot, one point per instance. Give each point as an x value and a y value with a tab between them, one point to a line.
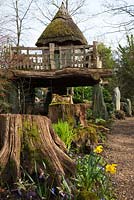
52	57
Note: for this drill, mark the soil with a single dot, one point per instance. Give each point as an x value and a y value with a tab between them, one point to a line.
120	150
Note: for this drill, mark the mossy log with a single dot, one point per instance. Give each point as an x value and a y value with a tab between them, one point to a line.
25	139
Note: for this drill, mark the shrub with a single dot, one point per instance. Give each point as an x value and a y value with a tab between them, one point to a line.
85	138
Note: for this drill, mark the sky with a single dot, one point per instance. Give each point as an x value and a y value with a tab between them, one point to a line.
104	25
95	26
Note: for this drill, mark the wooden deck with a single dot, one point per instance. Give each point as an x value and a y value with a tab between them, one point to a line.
65	65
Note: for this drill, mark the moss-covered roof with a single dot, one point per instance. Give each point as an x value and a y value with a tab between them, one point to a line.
62	30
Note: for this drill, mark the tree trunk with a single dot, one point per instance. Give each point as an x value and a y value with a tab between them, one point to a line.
25	139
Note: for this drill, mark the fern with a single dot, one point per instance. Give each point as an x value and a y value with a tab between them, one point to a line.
65	132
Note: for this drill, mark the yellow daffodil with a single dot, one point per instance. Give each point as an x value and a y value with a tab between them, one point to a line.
111	168
98	149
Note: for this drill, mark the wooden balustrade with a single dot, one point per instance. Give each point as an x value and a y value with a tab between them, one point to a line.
53	57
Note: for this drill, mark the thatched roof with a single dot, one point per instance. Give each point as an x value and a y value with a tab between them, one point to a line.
62	31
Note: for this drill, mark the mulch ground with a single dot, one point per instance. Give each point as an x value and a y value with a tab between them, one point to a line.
120	150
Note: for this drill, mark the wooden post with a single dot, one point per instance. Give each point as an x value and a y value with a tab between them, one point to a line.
73	57
84	57
94	54
89	64
51	50
44	60
60	58
28	60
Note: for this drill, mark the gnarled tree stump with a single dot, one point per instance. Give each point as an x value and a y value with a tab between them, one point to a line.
25	139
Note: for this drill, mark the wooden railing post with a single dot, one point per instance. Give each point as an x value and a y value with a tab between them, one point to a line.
73	56
60	58
94	54
51	50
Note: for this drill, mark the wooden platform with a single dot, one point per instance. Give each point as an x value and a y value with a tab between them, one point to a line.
68	77
65	66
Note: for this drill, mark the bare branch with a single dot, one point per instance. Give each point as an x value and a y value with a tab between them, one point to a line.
122	8
42	13
27	10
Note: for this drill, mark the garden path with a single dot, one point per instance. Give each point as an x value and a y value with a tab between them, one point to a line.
120	150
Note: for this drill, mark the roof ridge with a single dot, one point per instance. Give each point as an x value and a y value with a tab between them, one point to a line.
62	13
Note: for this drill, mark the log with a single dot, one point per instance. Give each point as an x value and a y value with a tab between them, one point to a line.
65	72
25	139
66	77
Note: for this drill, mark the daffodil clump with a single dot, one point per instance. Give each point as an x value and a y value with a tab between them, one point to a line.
110	168
93	175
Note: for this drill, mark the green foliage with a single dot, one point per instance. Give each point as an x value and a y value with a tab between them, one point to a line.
5	87
4	106
92	179
106	56
25	185
65	132
100	121
43	189
85	138
82	93
65	190
43	185
87	195
85	95
37	185
108	61
125	69
89	114
107	95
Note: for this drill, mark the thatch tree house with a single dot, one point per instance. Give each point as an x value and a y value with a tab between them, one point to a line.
61	59
62	31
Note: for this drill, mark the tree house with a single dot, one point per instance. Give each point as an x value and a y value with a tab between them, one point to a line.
61	59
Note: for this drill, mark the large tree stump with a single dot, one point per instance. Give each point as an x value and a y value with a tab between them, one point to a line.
25	139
